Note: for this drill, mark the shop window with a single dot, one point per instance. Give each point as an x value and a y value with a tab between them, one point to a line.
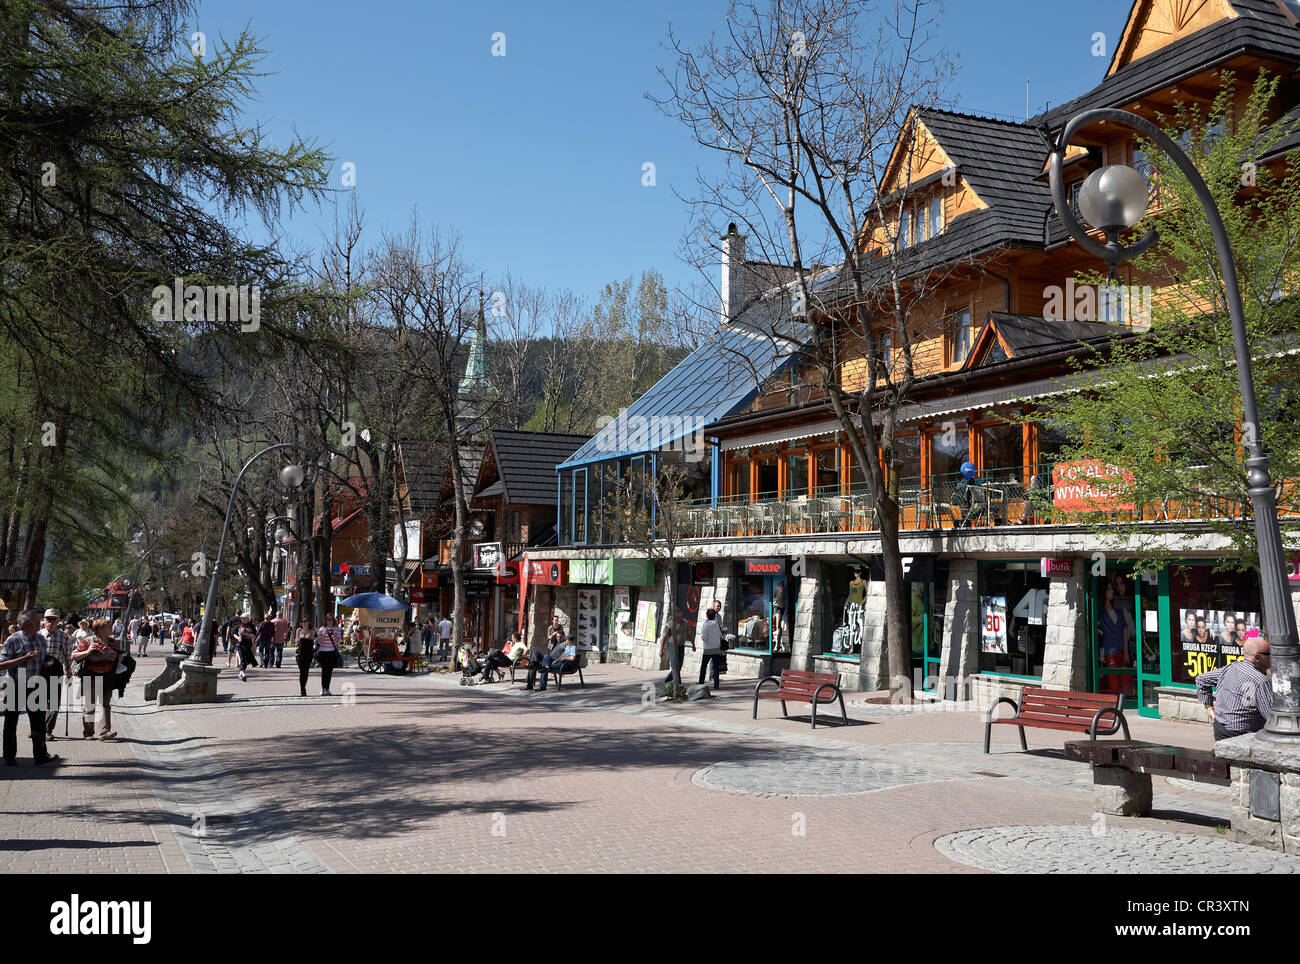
843	615
1013	618
1209	615
752	604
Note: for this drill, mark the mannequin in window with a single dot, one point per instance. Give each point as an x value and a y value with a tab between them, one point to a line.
779	617
855	608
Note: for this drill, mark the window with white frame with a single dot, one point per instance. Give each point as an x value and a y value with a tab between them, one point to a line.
936	216
960	336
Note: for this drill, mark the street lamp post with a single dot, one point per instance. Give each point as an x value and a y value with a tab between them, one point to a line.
1113	199
198	680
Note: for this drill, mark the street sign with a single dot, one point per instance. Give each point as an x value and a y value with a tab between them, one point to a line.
417	595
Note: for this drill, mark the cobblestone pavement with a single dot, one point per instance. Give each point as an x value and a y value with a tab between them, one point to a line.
421	774
1101	850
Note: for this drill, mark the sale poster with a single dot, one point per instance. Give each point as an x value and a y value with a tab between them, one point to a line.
993	629
623	620
645	620
1209	639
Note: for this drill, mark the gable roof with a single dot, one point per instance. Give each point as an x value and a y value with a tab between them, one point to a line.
1260	28
526	461
1026	335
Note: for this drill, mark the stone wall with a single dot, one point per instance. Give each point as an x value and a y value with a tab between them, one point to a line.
959	654
645	653
1265	792
1178	703
806	633
1065	659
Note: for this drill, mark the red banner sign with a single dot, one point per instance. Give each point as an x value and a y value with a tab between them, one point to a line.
543	572
1091	485
417	595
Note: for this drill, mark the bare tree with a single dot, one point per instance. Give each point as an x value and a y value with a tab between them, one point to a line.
806	102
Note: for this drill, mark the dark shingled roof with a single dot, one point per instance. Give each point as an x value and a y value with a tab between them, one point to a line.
1260	28
1033	335
526	463
422	464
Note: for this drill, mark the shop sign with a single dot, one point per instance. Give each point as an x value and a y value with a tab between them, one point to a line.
417	595
1048	567
487	555
1090	485
592	571
507	573
544	572
702	574
765	567
428	580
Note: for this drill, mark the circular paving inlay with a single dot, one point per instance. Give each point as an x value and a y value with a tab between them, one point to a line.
1077	850
806	774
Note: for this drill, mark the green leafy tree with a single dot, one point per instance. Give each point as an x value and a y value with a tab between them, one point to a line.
1164	406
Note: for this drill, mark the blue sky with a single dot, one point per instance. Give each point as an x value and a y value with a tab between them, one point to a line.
536	157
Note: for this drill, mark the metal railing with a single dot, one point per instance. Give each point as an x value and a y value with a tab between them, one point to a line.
997	497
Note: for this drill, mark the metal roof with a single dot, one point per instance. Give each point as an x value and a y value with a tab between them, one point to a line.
714	380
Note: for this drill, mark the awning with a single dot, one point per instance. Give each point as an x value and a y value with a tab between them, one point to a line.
786	434
975	401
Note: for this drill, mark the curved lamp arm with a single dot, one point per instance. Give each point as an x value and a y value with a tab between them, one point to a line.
1284	719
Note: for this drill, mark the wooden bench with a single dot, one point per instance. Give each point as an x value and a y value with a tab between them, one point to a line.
386	651
1060	710
797	686
1122	771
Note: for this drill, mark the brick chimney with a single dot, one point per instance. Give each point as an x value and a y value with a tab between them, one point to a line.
733	272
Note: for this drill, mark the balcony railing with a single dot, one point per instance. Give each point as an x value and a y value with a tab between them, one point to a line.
1001	497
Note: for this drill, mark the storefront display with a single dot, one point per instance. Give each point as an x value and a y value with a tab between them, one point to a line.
587	632
1013	608
624	621
1209	614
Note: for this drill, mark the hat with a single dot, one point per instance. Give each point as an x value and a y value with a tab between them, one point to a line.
53	612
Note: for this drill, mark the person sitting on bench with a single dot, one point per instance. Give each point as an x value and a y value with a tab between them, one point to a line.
563	658
498	659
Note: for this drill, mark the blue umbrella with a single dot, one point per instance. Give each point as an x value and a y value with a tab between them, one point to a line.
373	600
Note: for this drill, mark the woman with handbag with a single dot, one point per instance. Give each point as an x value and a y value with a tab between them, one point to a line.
304	653
328	641
96	657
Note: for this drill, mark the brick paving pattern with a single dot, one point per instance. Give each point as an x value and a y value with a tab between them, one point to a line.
409	774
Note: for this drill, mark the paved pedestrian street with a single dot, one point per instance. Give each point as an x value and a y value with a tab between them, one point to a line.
421	774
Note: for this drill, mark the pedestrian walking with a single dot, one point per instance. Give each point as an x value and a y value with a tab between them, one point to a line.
21	659
265	638
328	641
427	637
146	633
444	637
99	654
58	646
245	647
304	653
278	638
711	648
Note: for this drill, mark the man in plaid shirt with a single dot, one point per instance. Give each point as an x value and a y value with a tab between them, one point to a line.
1239	695
58	645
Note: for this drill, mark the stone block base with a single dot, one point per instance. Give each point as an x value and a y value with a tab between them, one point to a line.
698	691
171	672
197	684
1121	792
1265	792
1177	703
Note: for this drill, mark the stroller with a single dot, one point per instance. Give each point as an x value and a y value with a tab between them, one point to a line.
470	667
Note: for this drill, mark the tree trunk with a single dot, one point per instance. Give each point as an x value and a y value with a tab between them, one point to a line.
897	636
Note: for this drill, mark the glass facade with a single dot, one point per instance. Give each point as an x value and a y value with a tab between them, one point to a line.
1013	618
1209	614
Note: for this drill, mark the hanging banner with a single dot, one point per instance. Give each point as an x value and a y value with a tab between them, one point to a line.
487	555
646	613
542	572
1090	485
